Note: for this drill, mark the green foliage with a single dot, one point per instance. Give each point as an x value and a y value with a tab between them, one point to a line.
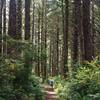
85	85
17	81
6	80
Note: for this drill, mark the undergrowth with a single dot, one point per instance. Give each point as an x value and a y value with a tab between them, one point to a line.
84	85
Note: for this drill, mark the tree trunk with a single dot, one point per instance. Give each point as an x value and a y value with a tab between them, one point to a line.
44	40
81	37
19	19
65	40
38	66
77	36
12	19
27	19
93	26
1	7
33	28
88	45
4	29
58	44
11	49
55	46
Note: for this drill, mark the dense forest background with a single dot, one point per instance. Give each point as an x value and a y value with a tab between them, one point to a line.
40	39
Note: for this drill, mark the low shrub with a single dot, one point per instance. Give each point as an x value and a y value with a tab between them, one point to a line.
85	85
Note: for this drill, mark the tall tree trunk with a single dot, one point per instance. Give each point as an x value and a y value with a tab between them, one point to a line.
43	40
38	65
65	40
19	19
50	57
11	49
4	29
45	30
27	19
93	26
58	44
77	35
18	27
54	53
81	37
55	46
1	7
88	45
63	30
33	21
12	19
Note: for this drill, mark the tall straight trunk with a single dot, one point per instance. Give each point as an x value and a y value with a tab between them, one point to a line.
63	30
88	45
55	46
11	48
50	57
58	44
42	36
4	29
45	30
18	27
19	19
38	65
77	35
1	6
65	40
4	18
44	40
54	53
76	31
93	26
36	46
27	19
12	19
33	28
63	16
81	36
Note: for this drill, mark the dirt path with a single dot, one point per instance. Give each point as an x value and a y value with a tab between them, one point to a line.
50	93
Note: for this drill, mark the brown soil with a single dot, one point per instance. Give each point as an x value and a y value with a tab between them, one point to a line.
50	93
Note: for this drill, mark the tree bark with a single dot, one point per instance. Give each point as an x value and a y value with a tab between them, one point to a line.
11	49
27	19
93	26
78	39
44	40
65	39
19	19
88	45
33	21
12	19
1	7
4	30
38	43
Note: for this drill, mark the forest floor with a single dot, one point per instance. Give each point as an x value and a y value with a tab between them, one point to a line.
50	93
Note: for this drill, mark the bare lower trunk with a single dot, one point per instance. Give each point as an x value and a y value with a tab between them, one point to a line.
88	43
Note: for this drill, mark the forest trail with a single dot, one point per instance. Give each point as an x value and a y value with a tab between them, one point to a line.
50	93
